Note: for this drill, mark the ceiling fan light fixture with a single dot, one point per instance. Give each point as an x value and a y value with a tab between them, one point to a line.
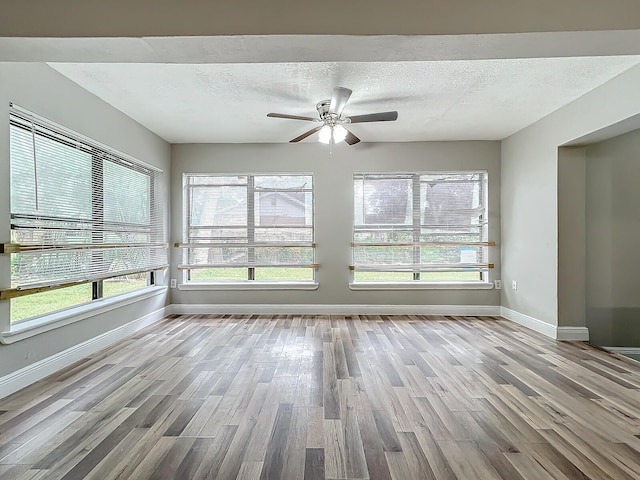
324	135
332	134
339	134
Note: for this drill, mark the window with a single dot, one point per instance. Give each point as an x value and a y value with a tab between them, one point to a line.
248	228
85	221
429	227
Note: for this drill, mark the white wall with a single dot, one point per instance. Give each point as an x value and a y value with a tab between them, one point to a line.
333	177
571	235
530	188
42	90
613	241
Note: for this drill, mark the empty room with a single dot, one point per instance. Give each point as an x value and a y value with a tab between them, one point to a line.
346	240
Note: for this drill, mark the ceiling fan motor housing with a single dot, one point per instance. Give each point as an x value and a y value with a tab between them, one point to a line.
323	109
326	116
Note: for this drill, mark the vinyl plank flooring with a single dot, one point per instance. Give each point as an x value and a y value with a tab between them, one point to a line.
315	428
528	467
217	450
459	462
355	459
75	444
231	462
149	463
295	448
314	463
329	396
36	440
334	449
274	459
251	471
193	458
116	462
172	459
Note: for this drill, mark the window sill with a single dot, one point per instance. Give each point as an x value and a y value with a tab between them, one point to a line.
249	286
420	285
45	323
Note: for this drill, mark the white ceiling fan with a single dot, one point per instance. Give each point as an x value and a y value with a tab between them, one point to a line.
333	128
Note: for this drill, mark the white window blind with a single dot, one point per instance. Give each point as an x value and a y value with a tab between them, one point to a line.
430	227
79	212
248	227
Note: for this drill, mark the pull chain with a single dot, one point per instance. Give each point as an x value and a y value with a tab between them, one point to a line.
331	142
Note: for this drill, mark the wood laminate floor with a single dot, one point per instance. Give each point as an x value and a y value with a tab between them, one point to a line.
343	397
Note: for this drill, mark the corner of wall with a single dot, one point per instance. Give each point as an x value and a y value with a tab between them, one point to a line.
566	334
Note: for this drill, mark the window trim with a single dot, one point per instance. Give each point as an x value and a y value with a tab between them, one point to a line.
100	153
420	285
50	321
250	283
484	283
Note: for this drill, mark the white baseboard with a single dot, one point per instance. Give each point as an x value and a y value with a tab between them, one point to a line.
302	309
32	373
578	334
529	322
624	350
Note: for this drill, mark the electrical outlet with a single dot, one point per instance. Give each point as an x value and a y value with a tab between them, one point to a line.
173	283
497	284
514	285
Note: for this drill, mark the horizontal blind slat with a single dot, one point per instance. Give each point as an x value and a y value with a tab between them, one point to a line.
246	265
83	210
420	222
454	267
248	221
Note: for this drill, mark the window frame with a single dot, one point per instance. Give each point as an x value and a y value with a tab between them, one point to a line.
250	282
415	228
21	119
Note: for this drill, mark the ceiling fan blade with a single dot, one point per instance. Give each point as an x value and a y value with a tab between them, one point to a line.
374	117
339	99
305	134
351	139
292	117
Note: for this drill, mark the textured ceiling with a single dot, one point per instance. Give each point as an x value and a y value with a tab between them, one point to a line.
436	100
